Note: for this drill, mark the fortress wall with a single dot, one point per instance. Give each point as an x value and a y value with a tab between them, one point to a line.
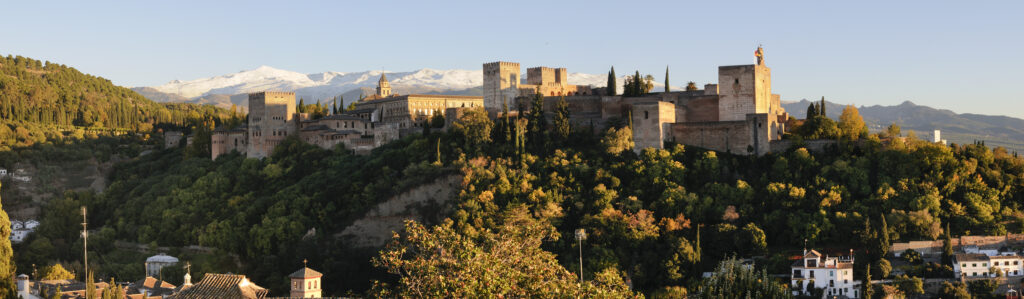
651	122
726	136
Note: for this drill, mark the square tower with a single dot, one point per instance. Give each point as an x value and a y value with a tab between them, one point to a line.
743	89
270	121
501	85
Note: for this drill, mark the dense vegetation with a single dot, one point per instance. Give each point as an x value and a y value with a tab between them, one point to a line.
42	101
655	219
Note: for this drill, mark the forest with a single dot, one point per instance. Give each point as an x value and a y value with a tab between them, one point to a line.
43	101
656	219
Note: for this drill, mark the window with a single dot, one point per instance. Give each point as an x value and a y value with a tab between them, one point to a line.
831	273
974	273
974	264
1014	263
295	285
811	274
995	263
645	115
984	264
964	265
796	273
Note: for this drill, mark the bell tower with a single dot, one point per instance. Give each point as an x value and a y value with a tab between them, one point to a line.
305	282
383	87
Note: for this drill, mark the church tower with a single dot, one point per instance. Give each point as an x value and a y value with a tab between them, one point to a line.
306	281
383	87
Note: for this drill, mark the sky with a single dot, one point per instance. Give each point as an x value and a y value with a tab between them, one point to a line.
966	56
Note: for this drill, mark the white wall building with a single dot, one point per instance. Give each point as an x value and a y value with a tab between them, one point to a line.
978	265
833	274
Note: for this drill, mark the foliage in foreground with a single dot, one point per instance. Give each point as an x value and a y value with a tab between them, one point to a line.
507	263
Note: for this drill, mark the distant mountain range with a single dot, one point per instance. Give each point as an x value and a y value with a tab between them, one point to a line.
230	89
923	120
225	90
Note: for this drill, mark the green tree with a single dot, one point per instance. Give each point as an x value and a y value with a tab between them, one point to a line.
868	291
883	238
616	141
7	287
947	247
883	268
561	120
821	107
612	86
983	288
440	262
912	256
90	286
851	124
437	121
893	130
538	122
691	86
732	279
909	285
475	127
302	106
812	111
56	272
666	79
954	291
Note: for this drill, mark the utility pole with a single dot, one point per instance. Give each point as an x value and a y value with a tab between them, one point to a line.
581	234
85	243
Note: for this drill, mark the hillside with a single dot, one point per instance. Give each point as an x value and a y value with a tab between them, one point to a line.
956	128
40	101
643	212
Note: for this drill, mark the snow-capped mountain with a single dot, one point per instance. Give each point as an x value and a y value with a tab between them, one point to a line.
219	89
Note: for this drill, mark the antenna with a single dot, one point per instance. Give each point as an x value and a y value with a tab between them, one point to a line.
85	242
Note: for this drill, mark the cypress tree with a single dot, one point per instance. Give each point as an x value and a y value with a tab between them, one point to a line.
612	88
638	86
334	106
821	107
947	247
7	287
90	287
666	79
301	107
868	291
883	238
812	110
561	120
538	123
438	151
508	125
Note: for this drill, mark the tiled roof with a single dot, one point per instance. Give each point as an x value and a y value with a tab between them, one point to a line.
152	283
969	257
227	286
305	272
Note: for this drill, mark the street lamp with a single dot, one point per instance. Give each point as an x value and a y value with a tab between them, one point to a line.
581	234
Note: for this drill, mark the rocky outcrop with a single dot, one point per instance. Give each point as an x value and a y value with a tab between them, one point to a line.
376	227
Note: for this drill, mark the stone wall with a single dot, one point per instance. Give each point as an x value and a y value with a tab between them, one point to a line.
934	247
651	122
750	136
223	142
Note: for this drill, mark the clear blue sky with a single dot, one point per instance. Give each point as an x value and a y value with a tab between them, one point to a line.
967	56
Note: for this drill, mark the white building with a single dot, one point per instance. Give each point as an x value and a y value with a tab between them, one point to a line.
978	265
157	262
833	274
21	229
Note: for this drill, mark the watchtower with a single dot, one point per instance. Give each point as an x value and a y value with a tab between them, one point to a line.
744	89
501	84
